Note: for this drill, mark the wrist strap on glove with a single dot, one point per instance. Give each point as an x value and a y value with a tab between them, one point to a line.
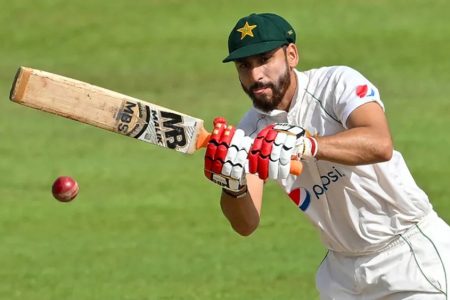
308	147
238	194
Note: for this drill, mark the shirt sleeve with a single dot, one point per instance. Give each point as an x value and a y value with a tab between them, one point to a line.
351	90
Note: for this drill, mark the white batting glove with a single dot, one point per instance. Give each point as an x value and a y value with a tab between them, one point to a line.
305	147
275	146
236	160
226	156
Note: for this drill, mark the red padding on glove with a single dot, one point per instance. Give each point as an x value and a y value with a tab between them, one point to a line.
217	132
258	159
218	120
216	166
263	167
253	162
217	148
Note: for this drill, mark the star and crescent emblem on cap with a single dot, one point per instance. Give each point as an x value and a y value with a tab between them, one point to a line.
246	30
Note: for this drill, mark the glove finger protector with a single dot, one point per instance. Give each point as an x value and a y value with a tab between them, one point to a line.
280	158
236	159
217	150
275	145
258	158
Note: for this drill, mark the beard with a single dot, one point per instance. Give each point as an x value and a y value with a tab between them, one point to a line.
279	88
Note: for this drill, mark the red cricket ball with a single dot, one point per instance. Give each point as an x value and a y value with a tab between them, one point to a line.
65	188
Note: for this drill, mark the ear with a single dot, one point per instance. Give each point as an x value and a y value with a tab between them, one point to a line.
292	55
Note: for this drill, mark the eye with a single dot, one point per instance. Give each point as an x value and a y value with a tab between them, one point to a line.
264	59
243	65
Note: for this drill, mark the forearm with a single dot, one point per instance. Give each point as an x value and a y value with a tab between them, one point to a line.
243	213
356	146
367	141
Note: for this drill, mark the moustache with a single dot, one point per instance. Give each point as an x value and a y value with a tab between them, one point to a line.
259	85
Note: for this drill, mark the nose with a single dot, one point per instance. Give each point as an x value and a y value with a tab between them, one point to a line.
256	73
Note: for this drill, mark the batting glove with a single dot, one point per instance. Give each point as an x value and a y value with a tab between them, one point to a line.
275	146
226	156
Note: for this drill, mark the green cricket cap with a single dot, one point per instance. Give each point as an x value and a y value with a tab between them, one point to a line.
258	33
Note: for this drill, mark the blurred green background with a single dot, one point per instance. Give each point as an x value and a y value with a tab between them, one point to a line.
146	224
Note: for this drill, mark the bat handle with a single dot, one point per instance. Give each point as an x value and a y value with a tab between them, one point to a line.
203	139
296	167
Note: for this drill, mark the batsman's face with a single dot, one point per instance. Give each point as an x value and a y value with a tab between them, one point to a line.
265	78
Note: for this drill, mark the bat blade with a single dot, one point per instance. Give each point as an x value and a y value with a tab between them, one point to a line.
103	108
107	109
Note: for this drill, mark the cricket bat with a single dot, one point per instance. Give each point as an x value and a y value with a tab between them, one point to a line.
103	108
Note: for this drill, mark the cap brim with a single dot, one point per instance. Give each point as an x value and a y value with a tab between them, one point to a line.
253	49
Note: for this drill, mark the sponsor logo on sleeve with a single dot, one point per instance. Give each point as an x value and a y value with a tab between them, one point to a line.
363	91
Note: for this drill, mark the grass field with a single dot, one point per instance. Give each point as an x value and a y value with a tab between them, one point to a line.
146	224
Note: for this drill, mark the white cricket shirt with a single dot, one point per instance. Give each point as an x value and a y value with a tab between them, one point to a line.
357	209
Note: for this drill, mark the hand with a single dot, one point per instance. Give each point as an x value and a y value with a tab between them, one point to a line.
274	147
226	156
